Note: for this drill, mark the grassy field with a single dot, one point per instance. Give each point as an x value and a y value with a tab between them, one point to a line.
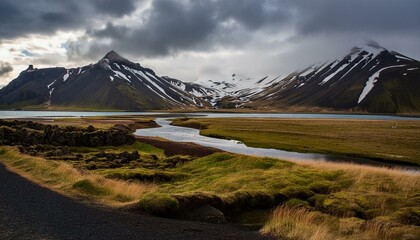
333	194
310	200
393	141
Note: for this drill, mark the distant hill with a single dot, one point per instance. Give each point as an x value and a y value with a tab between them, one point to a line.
368	79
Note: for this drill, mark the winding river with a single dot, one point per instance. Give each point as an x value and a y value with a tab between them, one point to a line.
184	134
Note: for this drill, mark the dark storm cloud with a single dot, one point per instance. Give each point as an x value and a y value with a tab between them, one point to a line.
168	27
379	16
172	26
115	7
19	18
5	68
255	14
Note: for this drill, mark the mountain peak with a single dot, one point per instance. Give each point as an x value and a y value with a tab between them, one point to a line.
113	56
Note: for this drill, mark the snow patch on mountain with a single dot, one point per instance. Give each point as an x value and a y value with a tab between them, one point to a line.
371	82
66	76
51	91
121	75
49	85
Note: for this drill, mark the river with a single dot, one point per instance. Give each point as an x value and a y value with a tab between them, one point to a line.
184	134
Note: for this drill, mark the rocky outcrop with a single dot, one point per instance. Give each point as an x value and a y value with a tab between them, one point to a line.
28	133
124	157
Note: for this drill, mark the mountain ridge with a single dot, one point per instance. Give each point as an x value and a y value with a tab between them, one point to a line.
113	83
368	79
364	80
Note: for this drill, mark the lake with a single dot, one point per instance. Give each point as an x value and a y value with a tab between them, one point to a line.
59	114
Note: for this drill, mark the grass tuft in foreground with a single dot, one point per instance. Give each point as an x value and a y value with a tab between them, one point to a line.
297	223
301	224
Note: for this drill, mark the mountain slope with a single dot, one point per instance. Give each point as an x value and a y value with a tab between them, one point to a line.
113	83
370	79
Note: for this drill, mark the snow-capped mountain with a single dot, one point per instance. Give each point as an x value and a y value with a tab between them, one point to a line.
234	92
368	79
112	83
371	79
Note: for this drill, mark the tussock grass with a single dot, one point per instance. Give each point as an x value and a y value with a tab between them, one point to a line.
297	223
301	224
67	180
341	190
159	204
379	178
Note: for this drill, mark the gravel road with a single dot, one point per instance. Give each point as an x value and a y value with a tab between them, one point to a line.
28	211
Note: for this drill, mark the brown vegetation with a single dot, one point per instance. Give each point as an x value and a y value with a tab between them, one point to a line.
179	148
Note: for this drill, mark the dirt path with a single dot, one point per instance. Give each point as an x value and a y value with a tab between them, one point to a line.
172	148
28	211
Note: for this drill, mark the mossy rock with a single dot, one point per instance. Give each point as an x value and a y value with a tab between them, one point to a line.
158	204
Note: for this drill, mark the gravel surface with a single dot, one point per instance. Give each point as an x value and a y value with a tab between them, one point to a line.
28	211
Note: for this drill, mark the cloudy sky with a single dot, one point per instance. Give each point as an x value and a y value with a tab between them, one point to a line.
201	39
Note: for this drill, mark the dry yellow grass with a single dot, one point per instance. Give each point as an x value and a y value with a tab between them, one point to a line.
62	177
408	182
302	224
296	223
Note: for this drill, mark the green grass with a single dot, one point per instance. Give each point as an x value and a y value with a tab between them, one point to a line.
375	139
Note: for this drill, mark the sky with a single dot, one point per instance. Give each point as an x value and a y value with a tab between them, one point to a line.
198	40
